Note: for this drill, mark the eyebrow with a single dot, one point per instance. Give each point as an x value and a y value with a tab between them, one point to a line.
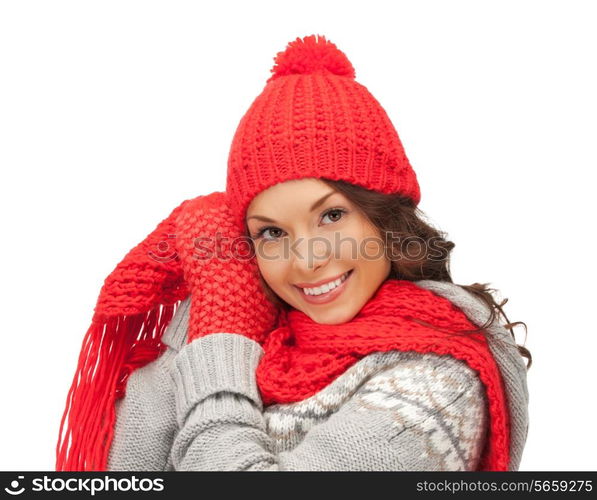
313	207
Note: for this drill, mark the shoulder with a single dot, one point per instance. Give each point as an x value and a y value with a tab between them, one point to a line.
475	309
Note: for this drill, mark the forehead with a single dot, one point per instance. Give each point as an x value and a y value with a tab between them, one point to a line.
296	191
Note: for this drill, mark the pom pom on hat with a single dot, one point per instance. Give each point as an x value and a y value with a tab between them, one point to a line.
310	54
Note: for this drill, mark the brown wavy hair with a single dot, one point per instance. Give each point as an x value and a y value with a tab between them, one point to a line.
397	215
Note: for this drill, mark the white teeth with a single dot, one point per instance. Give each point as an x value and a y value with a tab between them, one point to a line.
326	287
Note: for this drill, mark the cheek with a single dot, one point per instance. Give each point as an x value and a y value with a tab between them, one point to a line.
373	250
273	271
362	245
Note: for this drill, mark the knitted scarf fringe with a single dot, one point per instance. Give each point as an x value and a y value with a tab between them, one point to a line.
112	349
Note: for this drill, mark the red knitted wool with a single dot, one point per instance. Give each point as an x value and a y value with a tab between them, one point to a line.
221	272
302	356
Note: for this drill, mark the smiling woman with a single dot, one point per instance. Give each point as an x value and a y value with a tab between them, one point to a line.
330	348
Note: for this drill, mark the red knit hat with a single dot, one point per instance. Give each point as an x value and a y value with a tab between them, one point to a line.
313	119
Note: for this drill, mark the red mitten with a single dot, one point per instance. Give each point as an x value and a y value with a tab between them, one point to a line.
221	271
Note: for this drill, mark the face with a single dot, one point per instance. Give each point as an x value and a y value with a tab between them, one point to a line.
316	250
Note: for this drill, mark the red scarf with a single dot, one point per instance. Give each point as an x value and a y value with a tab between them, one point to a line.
139	298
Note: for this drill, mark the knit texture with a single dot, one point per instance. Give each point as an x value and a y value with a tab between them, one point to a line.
402	395
313	119
223	426
220	271
402	410
304	356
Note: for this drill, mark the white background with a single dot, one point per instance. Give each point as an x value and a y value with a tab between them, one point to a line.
113	112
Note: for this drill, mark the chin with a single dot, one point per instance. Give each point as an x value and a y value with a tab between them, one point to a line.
332	318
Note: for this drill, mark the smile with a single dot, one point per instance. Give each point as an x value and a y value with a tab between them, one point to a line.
327	291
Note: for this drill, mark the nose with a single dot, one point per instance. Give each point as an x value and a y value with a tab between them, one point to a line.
312	253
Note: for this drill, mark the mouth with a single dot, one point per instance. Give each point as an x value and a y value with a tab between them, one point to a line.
327	292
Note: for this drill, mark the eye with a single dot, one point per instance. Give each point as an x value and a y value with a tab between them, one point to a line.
263	230
336	213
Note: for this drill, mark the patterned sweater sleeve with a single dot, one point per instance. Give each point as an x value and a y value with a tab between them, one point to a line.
424	414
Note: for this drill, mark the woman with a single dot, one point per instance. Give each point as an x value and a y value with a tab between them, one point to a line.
332	346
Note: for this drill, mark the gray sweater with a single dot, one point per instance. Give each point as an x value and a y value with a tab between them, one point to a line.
197	407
